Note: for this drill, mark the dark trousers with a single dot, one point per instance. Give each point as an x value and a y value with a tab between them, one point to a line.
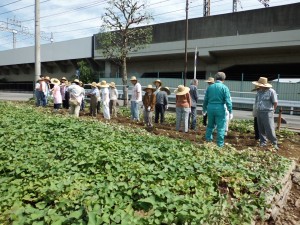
98	106
256	129
159	113
193	118
204	122
65	102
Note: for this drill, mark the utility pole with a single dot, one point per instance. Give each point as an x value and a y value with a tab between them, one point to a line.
206	8
186	39
37	42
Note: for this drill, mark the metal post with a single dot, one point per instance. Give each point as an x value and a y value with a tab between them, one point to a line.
278	84
186	39
279	118
157	74
37	41
242	85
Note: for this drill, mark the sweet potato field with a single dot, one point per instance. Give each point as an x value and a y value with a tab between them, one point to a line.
56	169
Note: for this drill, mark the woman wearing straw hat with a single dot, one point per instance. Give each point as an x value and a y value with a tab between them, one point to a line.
266	103
113	97
149	100
94	94
216	96
183	107
136	98
63	91
105	99
161	104
75	97
57	98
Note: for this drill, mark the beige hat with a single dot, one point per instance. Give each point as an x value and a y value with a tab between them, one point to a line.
181	90
55	81
158	81
210	80
47	78
112	84
76	81
262	82
63	78
133	78
103	84
94	84
149	87
166	89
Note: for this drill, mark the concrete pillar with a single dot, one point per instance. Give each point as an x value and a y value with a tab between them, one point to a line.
107	71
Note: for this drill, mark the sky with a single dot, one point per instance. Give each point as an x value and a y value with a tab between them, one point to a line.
63	20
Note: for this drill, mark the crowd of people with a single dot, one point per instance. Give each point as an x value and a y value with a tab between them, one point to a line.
217	105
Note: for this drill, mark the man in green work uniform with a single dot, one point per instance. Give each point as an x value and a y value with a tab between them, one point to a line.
216	97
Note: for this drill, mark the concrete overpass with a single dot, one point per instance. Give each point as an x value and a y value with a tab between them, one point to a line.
255	42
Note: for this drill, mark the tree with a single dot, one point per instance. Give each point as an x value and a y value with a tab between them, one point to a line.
123	33
86	73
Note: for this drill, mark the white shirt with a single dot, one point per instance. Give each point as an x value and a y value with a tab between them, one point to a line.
113	94
105	95
136	94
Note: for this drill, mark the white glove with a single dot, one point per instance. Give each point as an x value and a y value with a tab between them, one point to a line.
149	108
230	116
203	113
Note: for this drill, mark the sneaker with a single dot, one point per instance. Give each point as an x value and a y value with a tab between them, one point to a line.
276	147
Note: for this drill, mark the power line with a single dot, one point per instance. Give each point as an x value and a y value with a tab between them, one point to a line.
22	8
10	3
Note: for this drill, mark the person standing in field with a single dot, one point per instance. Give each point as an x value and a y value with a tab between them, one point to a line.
254	113
161	104
183	107
136	98
37	93
216	97
158	84
105	99
149	100
94	95
63	89
113	96
194	97
57	98
75	92
266	102
42	91
47	93
82	105
209	81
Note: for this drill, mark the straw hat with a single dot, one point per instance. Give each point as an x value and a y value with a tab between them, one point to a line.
112	84
262	82
149	87
63	78
166	89
103	84
210	80
55	81
76	81
158	81
133	78
181	90
94	84
47	78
